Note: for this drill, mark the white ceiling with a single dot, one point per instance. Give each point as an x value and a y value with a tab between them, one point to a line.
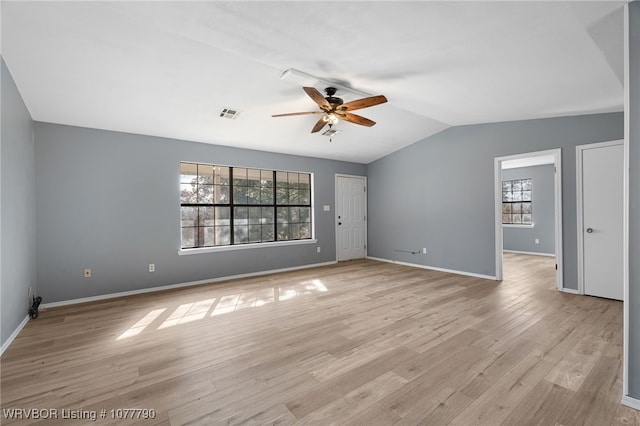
168	68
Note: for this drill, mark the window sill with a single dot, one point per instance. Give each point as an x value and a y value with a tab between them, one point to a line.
518	225
202	250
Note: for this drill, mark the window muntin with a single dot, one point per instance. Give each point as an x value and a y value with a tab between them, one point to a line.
516	202
222	206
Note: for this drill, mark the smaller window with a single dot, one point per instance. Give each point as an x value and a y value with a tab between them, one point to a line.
516	202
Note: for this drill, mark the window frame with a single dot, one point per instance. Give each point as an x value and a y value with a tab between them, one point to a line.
234	245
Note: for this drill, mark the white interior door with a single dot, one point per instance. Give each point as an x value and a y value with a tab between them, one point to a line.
602	220
350	217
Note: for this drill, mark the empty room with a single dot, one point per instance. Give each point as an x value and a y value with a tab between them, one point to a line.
305	212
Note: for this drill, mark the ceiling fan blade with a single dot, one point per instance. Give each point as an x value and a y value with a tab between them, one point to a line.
319	125
317	98
357	119
363	103
297	113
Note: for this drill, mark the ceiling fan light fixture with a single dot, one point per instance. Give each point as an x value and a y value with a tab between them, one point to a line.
330	118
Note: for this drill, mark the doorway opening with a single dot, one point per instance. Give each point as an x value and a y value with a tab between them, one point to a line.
514	207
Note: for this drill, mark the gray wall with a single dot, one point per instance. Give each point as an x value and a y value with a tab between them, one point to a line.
542	197
18	207
634	200
109	201
438	193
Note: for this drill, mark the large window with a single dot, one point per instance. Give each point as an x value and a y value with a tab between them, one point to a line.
516	202
222	206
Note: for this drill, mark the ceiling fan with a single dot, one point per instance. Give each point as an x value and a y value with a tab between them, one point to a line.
333	108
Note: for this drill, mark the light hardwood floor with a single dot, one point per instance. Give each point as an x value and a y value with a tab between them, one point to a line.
358	343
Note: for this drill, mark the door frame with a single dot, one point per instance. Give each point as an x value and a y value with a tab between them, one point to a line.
557	159
335	213
580	203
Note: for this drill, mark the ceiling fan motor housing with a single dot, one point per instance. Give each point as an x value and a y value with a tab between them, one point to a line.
333	99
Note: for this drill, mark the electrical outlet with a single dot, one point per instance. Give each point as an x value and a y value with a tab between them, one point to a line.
152	267
424	250
87	273
319	249
537	240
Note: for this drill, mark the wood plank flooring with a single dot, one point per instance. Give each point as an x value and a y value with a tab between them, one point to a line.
357	343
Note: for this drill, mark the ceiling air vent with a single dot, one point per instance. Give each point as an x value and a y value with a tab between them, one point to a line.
229	113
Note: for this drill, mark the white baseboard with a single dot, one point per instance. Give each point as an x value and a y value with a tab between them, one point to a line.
13	336
631	402
433	268
535	253
571	290
174	286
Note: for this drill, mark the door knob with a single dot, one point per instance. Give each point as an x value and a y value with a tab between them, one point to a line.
589	230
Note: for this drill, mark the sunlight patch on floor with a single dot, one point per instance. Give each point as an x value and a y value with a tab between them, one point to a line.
195	311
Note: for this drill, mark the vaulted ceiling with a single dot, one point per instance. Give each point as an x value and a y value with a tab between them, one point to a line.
168	68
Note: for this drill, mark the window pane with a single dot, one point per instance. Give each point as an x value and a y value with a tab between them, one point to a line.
516	207
526	185
283	231
188	172
526	195
283	214
241	215
255	233
506	218
188	193
207	236
223	235
223	216
305	231
517	196
266	187
294	197
221	175
188	216
507	196
305	196
206	216
294	231
282	180
267	215
282	196
205	174
205	194
526	208
516	218
268	232
516	185
266	196
294	214
253	177
241	234
239	176
240	195
293	180
221	194
305	214
506	185
506	208
188	237
254	186
526	218
255	215
305	181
